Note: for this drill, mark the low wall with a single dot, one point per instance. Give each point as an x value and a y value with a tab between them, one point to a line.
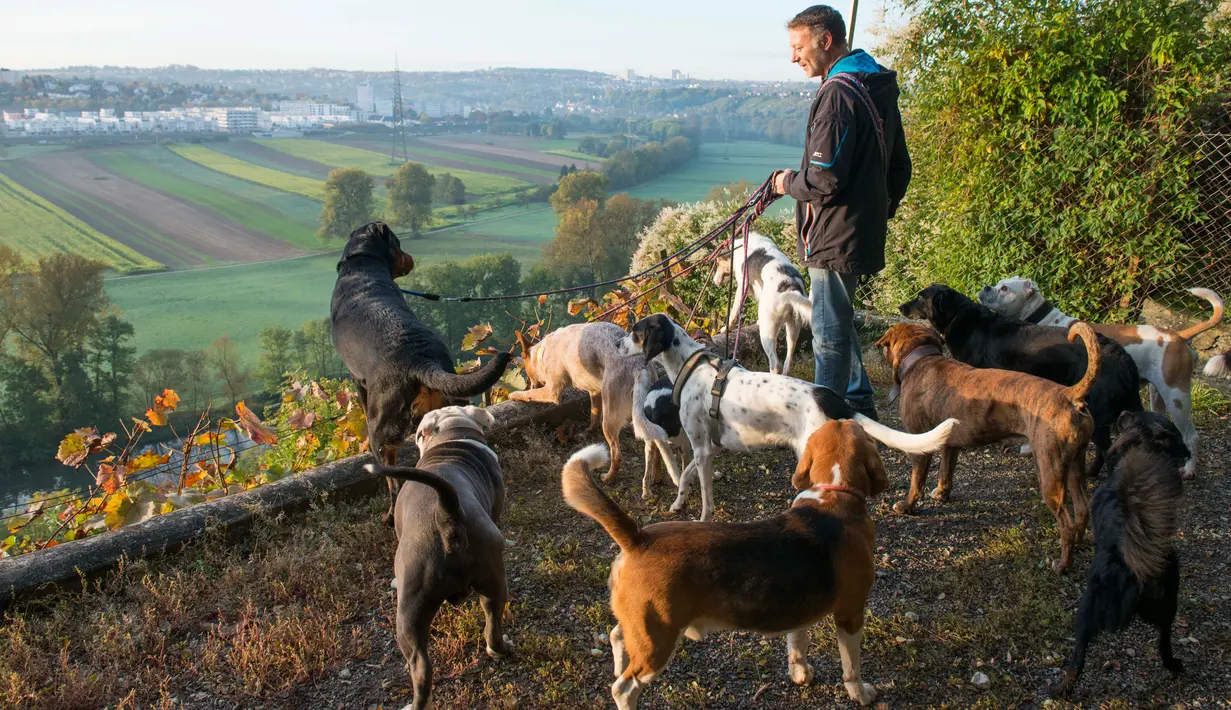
71	565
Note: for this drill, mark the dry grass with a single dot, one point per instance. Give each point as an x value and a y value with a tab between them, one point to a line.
277	621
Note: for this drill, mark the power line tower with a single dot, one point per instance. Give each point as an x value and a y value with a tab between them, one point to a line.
399	119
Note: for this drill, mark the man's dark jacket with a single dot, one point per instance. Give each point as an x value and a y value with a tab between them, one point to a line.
844	192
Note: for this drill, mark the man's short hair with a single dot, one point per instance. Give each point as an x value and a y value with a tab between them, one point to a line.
821	17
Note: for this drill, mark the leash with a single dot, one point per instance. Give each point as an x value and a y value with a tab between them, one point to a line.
908	363
854	84
757	202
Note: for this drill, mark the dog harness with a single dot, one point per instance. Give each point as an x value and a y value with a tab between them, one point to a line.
908	363
723	368
1037	315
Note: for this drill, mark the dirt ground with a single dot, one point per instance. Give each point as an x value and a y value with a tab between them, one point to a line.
301	614
188	235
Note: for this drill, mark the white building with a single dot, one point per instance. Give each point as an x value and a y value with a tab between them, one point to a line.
8	76
236	120
309	108
365	97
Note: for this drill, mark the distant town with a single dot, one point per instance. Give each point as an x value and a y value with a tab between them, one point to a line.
82	102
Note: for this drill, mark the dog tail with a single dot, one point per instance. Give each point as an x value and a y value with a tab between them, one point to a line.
584	495
1218	365
1078	392
1215	318
926	442
1149	494
643	428
800	305
452	532
469	384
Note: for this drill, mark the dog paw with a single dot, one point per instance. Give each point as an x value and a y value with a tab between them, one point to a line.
677	506
1059	566
1065	686
504	651
1174	665
860	692
903	508
940	494
801	673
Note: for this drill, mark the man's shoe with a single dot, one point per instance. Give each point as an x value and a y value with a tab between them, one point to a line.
868	411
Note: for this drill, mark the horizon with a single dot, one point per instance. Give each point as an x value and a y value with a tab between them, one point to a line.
155	36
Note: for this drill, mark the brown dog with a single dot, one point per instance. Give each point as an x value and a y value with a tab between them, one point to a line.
993	405
774	576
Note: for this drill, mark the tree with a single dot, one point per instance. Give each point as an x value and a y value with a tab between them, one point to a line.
111	360
410	196
348	203
483	275
314	349
448	190
52	309
579	186
276	357
158	369
197	379
26	432
224	360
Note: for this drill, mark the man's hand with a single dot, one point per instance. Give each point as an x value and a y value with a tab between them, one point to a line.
780	180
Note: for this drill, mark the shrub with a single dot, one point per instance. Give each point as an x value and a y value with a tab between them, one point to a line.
1053	140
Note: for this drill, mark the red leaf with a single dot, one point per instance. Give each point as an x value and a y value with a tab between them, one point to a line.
110	478
301	420
542	299
167	401
344	398
318	391
252	426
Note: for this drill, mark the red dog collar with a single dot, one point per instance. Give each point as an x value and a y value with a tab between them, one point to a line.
841	489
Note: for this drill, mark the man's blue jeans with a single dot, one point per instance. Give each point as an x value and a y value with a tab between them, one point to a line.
839	360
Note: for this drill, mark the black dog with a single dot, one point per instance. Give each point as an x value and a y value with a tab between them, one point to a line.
1135	571
402	368
980	337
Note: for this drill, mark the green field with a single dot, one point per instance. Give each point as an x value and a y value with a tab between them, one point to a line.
479	163
575	155
229	165
254	215
36	227
373	163
189	309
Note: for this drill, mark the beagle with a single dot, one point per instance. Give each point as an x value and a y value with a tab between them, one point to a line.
775	576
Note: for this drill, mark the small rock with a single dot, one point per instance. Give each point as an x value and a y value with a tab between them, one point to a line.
912	616
940	597
604	639
981	681
596	652
200	695
1130	652
344	674
1182	641
881	574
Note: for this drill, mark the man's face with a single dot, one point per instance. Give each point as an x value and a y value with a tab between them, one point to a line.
808	53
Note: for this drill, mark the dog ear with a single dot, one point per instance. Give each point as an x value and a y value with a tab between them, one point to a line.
481	416
878	477
802	480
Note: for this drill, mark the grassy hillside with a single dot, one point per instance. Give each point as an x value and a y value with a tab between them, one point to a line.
36	227
229	165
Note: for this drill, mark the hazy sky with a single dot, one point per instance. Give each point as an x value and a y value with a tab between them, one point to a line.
718	39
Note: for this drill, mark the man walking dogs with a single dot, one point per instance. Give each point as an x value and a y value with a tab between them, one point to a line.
853	175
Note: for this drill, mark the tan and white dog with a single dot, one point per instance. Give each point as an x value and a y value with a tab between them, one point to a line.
587	356
1163	357
775	576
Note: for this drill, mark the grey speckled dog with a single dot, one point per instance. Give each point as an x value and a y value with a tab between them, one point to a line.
448	542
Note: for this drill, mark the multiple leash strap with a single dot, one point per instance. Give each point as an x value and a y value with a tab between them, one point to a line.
908	363
723	368
1037	315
